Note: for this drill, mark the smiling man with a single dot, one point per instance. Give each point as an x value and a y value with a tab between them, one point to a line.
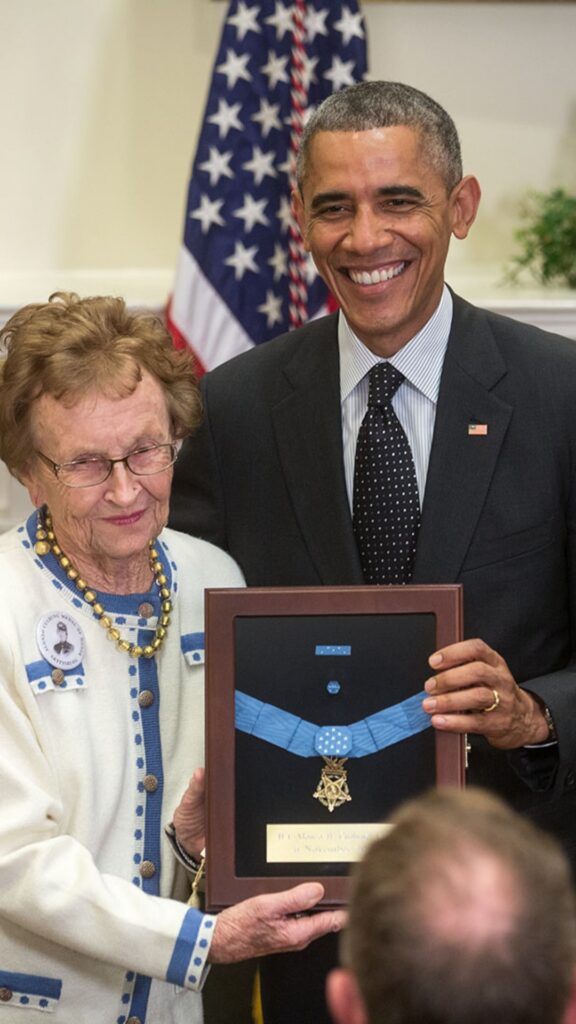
377	215
470	417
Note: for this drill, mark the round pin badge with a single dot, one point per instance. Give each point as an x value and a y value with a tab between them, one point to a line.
60	640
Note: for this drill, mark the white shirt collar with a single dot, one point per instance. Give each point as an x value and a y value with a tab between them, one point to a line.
420	359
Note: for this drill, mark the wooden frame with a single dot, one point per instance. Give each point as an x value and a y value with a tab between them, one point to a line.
266	642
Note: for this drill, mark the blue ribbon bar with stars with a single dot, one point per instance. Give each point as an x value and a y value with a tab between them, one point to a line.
339	650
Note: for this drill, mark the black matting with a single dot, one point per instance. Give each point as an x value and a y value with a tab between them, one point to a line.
276	662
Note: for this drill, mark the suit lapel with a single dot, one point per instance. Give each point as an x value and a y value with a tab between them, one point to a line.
308	428
461	463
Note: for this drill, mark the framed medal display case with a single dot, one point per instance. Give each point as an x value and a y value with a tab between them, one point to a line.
314	728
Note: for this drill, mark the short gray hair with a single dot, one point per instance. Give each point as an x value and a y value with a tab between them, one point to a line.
369	105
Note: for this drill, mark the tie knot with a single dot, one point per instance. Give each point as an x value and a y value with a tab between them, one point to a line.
384	381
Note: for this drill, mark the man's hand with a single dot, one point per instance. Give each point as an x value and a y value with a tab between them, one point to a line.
474	691
267	924
189	816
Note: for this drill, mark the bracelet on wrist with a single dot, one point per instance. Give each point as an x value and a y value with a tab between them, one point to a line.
187	859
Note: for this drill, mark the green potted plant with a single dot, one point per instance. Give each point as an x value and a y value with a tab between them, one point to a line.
547	239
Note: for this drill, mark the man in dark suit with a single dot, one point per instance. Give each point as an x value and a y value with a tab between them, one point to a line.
488	407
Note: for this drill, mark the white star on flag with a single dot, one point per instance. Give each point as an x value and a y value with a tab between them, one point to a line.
208	213
252	212
275	69
242	260
272	308
246	20
260	165
217	165
349	25
267	117
282	20
227	118
316	23
279	261
234	67
341	73
285	214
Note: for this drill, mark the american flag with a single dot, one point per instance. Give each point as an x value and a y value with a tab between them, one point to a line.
242	275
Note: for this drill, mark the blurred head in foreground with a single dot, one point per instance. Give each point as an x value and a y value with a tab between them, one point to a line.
463	911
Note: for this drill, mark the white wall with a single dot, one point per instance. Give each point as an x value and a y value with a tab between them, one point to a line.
101	103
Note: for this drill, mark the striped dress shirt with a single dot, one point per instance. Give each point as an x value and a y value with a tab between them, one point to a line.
420	360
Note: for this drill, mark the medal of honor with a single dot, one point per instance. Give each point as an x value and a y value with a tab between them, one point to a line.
334	743
332	790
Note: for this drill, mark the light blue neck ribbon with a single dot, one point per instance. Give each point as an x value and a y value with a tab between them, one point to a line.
368	736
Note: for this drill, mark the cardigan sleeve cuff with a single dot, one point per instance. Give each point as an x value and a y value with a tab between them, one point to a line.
189	965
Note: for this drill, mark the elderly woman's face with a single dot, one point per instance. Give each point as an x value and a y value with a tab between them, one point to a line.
115	519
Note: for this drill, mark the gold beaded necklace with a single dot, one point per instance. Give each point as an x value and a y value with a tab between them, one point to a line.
46	542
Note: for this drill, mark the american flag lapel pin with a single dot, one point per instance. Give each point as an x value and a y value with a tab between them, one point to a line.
477	429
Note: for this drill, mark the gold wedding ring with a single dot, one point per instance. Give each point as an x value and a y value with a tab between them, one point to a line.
495	704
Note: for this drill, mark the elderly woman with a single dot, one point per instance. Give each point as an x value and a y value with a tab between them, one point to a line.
101	682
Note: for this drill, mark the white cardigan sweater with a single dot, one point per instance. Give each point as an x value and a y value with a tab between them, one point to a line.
91	769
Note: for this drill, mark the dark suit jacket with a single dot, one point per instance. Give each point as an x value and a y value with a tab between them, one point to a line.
264	479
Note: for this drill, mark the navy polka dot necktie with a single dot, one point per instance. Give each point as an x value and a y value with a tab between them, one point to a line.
386	508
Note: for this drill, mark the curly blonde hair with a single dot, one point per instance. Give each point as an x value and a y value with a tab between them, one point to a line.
68	347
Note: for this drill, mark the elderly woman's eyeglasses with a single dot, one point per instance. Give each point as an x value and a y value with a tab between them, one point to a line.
95	469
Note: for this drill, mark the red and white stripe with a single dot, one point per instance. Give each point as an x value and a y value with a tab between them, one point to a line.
298	291
197	316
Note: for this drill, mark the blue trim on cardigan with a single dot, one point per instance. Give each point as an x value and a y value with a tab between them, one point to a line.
140	997
38	669
118	604
33	984
184	947
152	751
192	642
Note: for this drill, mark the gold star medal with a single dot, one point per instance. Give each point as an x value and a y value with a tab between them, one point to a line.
332	742
332	790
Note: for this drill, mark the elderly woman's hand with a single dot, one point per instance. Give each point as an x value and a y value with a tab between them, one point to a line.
270	924
188	818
